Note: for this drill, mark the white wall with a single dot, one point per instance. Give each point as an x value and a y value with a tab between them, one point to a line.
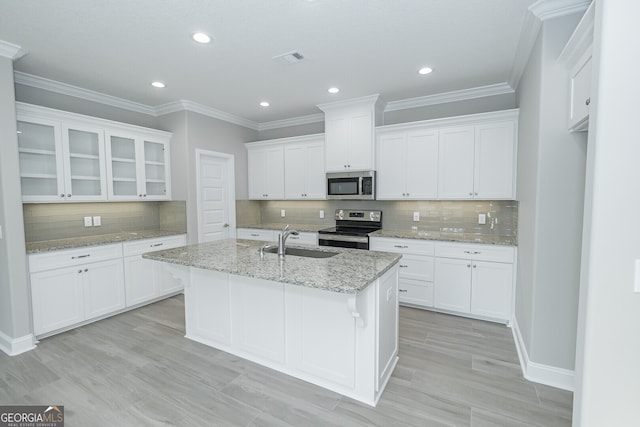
551	171
15	309
607	363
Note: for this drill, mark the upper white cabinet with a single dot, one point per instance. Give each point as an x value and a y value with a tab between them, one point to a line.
304	176
266	172
349	131
67	157
137	167
576	55
407	165
478	162
287	168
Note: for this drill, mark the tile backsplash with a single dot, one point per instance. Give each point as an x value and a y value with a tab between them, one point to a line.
52	221
446	216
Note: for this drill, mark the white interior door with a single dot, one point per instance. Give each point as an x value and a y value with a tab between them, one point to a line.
216	196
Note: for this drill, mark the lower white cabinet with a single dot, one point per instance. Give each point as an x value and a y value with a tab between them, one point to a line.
73	287
147	280
475	279
415	282
77	290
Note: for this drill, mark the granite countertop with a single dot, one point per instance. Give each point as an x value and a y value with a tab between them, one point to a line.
483	239
348	272
309	228
102	239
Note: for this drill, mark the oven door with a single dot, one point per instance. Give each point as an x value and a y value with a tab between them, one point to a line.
342	241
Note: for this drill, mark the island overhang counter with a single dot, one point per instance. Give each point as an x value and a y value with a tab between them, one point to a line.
330	321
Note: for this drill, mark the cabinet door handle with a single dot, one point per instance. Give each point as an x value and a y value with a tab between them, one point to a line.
79	271
471	194
255	235
468	265
475	266
402	290
69	195
81	256
401	246
86	269
588	101
403	266
156	244
62	195
472	252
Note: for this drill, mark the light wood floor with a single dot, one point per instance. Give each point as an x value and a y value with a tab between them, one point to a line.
137	369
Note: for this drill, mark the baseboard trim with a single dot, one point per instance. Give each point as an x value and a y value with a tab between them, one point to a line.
15	346
538	372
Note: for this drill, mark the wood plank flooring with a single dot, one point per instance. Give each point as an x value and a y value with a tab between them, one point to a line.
137	369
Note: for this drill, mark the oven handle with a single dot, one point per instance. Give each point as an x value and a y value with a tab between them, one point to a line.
343	238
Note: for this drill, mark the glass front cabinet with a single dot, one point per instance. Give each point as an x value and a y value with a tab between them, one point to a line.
66	157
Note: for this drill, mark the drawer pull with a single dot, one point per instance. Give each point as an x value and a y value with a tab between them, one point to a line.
588	101
81	256
472	252
401	246
255	235
294	237
156	244
402	290
403	266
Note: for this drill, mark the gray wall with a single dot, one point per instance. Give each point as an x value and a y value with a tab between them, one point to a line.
551	173
15	308
308	129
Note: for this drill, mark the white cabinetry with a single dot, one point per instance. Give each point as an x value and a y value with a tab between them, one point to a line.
477	162
304	176
266	171
576	56
474	279
349	131
67	157
407	165
73	286
256	234
147	280
137	167
303	238
415	285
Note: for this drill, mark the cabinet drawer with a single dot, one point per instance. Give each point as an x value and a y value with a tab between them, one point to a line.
255	234
415	292
418	267
139	247
72	257
476	252
304	238
404	246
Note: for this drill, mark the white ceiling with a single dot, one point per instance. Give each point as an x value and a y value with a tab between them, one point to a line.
118	47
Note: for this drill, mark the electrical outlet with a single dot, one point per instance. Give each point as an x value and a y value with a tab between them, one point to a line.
321	214
282	213
636	281
97	221
0	232
414	228
416	216
482	219
88	222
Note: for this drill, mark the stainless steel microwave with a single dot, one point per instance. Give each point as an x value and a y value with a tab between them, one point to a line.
357	185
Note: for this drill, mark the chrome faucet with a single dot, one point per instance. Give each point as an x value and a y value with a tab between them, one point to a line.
282	239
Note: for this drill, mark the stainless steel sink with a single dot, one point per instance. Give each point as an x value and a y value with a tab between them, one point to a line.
308	253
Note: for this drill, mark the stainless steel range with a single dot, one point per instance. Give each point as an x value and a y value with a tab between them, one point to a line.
352	229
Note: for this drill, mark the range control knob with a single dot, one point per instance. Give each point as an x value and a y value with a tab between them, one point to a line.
340	214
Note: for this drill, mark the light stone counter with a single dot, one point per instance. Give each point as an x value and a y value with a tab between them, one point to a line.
349	272
308	228
483	239
102	239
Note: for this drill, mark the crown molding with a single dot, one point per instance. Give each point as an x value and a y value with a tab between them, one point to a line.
294	121
456	95
194	107
537	13
11	51
78	92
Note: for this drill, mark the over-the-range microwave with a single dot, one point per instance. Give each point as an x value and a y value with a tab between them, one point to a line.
356	185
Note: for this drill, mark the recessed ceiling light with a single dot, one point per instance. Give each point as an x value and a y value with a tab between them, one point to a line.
425	70
201	38
158	84
264	104
333	90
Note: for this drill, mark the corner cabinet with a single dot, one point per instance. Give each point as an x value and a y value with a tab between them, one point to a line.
287	168
67	157
349	130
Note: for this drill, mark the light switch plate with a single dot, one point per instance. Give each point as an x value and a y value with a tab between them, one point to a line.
636	280
88	222
0	232
321	214
282	213
482	219
416	216
97	221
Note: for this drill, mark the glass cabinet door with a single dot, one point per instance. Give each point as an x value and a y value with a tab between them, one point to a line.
123	169
155	169
84	157
41	166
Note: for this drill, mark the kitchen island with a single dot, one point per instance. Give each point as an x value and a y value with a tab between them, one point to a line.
330	321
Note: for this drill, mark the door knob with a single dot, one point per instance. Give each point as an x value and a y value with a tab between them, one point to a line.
225	225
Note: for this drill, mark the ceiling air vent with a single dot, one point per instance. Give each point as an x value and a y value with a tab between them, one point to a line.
289	57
